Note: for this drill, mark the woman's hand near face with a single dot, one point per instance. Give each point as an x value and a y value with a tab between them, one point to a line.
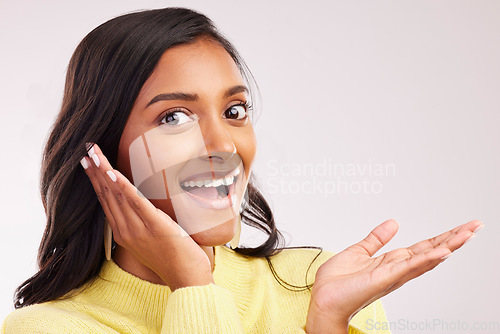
147	232
352	279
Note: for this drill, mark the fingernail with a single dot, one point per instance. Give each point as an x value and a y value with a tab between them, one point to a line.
111	175
90	148
96	160
473	235
479	228
446	256
84	163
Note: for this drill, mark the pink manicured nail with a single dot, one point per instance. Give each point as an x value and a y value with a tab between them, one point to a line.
479	228
84	163
91	146
111	175
96	160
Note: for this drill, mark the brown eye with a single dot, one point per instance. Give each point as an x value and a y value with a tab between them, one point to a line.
236	112
176	118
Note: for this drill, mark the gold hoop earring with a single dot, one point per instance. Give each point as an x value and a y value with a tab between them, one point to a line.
108	239
234	243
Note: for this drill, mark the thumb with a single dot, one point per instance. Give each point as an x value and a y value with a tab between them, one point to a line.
377	238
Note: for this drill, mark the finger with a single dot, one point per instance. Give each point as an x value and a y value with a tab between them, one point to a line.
95	178
442	238
454	242
132	202
419	271
151	216
416	262
416	273
377	238
472	226
127	221
391	275
102	190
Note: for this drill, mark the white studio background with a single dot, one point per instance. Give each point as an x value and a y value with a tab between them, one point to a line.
400	98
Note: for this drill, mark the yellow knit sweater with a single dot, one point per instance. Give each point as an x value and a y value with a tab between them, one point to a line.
245	298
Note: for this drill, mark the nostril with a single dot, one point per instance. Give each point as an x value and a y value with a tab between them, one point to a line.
222	156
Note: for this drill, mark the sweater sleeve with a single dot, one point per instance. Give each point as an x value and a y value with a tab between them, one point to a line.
201	309
44	319
370	320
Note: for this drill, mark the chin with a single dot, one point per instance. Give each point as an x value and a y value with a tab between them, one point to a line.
216	236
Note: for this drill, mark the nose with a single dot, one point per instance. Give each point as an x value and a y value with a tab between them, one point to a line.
218	142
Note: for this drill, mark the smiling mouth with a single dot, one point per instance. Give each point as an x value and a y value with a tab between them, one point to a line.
213	190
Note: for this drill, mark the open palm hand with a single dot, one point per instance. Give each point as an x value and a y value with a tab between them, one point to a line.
353	278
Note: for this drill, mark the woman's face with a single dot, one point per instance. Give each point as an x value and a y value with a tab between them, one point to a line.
188	143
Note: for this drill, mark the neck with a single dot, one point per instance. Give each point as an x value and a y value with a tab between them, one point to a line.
125	260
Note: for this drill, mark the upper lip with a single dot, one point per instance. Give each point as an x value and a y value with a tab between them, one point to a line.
211	175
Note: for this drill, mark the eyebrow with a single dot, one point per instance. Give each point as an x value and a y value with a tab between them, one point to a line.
194	97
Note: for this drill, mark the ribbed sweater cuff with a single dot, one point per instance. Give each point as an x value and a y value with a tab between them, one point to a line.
201	309
354	330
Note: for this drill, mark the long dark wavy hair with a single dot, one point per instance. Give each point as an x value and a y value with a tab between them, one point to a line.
104	77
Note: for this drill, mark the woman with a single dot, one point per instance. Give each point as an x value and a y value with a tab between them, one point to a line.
157	110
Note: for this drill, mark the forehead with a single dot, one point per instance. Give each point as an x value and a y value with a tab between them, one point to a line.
203	67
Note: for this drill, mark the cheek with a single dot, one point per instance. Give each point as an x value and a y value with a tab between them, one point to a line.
149	153
123	159
130	133
246	145
152	161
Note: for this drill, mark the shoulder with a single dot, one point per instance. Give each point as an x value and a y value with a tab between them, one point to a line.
48	317
34	318
290	264
299	265
301	254
292	256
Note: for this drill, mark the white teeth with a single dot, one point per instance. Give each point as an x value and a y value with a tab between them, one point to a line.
228	180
